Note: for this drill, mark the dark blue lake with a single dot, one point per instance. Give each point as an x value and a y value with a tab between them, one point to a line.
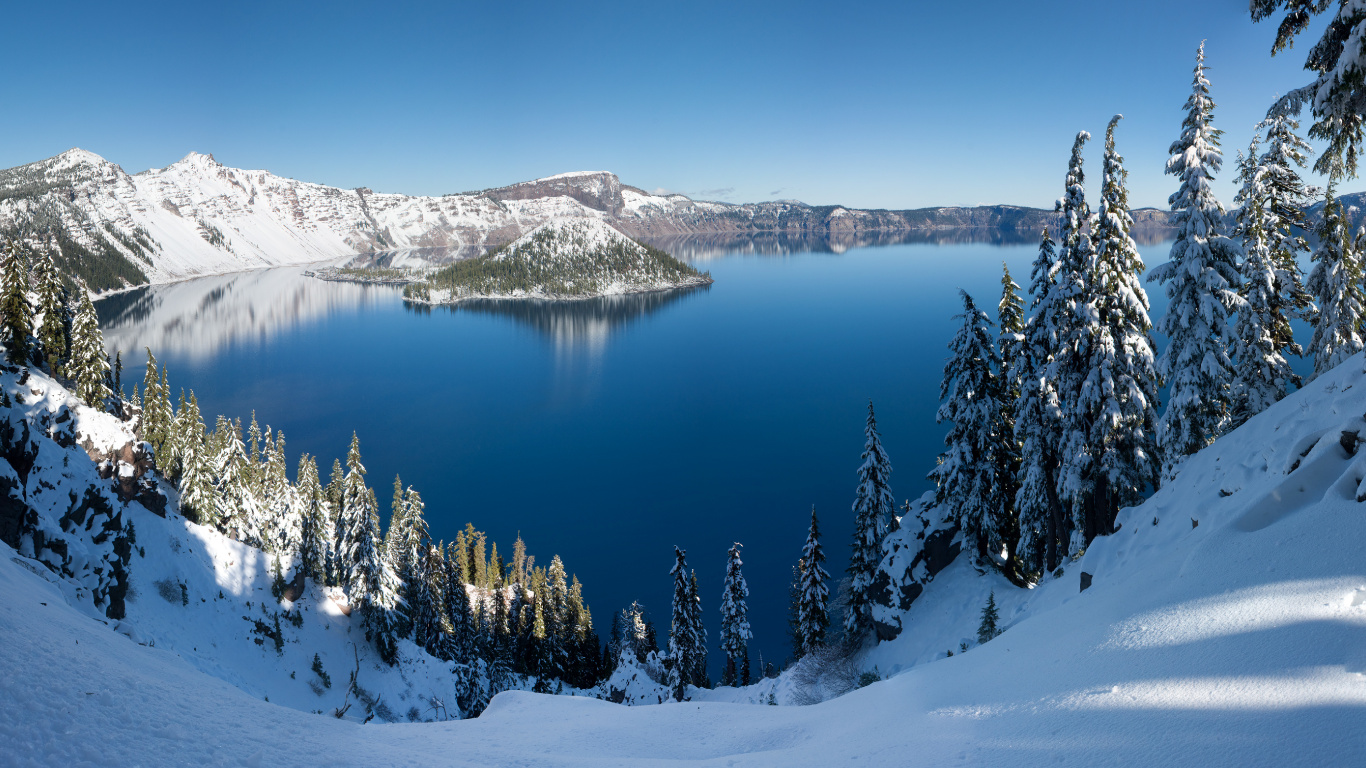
604	431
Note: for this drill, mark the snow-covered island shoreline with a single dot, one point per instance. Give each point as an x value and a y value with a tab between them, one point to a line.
561	260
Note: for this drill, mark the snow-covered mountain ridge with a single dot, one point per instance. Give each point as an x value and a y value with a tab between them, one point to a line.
200	217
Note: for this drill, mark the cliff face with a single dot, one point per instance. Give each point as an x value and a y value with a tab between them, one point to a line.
200	217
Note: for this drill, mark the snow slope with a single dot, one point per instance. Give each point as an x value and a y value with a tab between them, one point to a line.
1237	641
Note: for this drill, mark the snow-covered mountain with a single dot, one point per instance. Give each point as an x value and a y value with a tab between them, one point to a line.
1222	627
200	217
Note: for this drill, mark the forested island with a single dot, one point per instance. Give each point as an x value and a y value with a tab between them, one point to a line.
561	259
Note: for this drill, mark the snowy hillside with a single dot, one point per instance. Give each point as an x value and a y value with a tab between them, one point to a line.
1223	627
561	259
200	217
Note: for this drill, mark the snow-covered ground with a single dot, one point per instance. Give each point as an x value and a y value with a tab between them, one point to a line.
1225	626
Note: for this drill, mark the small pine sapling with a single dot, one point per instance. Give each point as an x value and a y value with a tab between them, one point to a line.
987	630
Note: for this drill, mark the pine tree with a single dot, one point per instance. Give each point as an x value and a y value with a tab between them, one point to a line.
967	476
873	504
196	477
1336	285
1335	97
735	632
1037	418
371	587
1201	281
1010	321
53	310
16	315
682	642
314	533
236	504
278	504
425	600
699	634
460	644
1262	375
1287	198
987	629
89	366
150	427
1109	436
558	628
813	621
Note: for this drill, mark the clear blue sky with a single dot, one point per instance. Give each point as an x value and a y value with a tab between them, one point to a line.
898	104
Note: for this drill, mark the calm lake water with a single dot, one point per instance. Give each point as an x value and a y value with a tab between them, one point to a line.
604	431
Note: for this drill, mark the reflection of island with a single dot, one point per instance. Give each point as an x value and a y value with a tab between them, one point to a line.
581	323
198	317
702	247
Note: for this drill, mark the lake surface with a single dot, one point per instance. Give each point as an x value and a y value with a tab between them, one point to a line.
605	431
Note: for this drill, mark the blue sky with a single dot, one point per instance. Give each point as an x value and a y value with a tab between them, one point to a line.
904	104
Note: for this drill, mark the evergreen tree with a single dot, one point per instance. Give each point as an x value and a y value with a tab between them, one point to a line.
16	315
150	428
460	644
1201	281
873	504
735	632
813	621
1109	436
89	366
987	629
1261	375
277	500
314	532
196	477
236	504
1336	285
967	476
371	587
1037	418
559	630
425	600
53	310
1010	320
699	634
1286	199
1335	97
682	641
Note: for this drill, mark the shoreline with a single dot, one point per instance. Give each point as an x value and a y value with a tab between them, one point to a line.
692	283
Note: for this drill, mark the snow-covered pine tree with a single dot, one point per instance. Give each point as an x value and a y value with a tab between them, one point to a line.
559	630
1037	416
873	504
1010	324
1335	283
460	643
371	587
16	315
311	509
425	600
987	629
278	505
1201	281
967	476
89	366
172	454
1287	199
735	631
1335	97
1077	329
699	633
196	475
1110	430
237	506
52	310
1261	374
682	641
813	621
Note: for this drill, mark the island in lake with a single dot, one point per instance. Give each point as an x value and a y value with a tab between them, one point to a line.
564	258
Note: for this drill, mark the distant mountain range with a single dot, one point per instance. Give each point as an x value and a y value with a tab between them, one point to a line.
200	217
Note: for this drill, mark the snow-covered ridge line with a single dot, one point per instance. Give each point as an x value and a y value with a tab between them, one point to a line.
199	217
